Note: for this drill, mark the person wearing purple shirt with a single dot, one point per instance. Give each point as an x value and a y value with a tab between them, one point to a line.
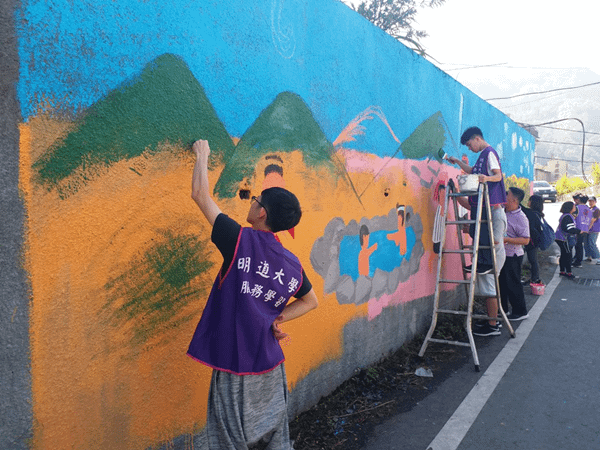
566	229
517	235
582	222
592	241
489	170
239	330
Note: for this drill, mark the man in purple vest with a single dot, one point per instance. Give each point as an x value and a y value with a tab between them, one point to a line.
238	334
490	172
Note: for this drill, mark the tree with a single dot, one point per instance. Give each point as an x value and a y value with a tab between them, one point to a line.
596	173
396	18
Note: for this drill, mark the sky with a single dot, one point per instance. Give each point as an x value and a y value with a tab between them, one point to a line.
522	33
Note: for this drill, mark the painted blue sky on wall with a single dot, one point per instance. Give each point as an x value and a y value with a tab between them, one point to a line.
244	54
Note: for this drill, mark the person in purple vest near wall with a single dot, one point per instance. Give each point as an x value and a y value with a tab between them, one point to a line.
490	172
592	242
582	222
238	334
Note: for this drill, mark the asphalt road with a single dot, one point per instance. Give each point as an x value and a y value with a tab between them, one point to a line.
539	391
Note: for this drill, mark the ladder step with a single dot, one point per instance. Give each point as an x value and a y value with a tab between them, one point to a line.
481	246
466	252
443	341
459	222
452	311
464	313
456	281
462	194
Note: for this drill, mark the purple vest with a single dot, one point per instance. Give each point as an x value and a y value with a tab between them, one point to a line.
596	226
584	217
234	333
559	234
496	189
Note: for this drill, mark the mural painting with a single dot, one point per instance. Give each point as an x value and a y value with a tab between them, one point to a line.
118	259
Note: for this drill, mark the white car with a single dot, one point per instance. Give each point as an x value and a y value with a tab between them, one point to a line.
544	190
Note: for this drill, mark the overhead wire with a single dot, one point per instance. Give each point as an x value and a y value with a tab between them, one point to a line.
572	131
544	92
565	160
567	143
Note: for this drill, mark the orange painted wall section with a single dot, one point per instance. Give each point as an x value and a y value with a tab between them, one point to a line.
92	384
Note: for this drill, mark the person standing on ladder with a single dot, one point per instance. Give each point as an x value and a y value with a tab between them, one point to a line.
489	170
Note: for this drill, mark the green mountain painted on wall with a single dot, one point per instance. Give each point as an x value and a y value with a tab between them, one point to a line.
427	139
164	103
285	125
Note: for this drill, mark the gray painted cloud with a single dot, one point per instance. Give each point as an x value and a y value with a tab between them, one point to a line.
324	258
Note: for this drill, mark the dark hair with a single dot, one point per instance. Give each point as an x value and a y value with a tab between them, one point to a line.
283	209
576	196
567	207
583	199
469	133
518	193
592	198
364	231
536	203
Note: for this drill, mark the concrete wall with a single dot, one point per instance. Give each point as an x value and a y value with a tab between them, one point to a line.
106	259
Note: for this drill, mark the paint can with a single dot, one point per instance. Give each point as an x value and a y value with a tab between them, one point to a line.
537	289
468	183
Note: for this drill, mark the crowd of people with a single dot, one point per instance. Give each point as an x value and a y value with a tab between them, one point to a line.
578	229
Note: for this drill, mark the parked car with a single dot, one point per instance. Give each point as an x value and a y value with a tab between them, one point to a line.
545	190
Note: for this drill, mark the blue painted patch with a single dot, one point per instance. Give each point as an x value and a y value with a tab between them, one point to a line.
387	257
73	54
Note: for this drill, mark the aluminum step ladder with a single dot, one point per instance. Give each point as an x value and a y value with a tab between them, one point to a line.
483	200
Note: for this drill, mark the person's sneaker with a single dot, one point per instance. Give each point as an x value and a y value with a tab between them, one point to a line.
598	262
483	323
563	274
576	265
525	281
570	276
487	330
516	317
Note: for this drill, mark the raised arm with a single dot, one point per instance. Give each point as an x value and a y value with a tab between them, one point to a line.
461	164
200	187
